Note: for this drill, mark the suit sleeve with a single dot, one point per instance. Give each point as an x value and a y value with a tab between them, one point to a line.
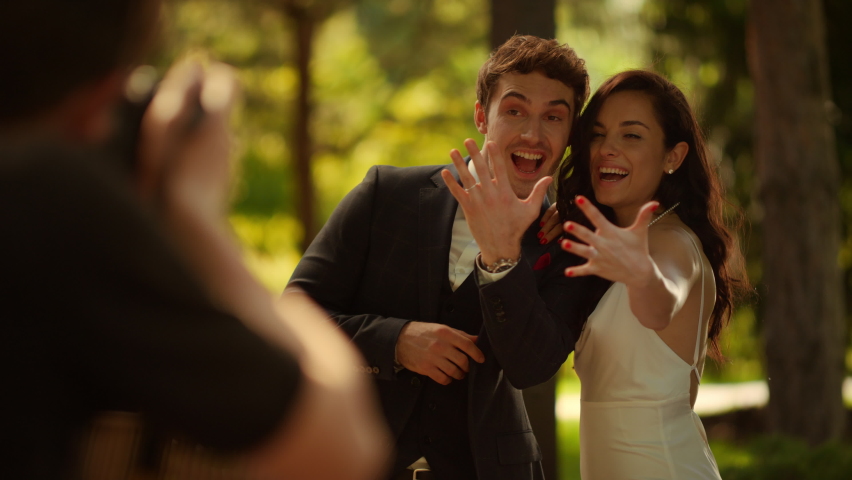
332	269
532	325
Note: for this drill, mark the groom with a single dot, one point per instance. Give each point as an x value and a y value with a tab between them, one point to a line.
456	309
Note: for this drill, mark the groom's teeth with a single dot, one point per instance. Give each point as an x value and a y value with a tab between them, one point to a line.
529	156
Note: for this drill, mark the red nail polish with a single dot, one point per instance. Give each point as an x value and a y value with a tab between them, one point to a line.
543	241
569	273
581	200
541	223
566	244
655	207
570	227
540	234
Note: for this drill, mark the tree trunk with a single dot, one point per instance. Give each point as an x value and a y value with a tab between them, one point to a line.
523	17
532	18
304	24
799	177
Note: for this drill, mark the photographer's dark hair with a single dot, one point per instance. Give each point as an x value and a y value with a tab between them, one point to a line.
49	48
695	185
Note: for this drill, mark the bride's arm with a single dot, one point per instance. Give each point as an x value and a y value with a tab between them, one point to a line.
659	296
657	266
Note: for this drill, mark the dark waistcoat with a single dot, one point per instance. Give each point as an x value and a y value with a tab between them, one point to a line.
438	426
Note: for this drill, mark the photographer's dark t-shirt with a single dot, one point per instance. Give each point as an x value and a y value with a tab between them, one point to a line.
99	313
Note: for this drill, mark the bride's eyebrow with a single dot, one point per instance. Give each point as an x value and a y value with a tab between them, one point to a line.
626	123
629	123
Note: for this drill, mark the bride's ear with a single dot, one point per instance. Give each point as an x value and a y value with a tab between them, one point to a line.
675	157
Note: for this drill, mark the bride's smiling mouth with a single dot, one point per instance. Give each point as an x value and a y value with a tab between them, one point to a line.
612	174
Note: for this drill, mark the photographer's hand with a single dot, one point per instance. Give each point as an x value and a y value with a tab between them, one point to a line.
185	142
185	165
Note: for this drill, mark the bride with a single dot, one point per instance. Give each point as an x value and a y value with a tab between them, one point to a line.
641	202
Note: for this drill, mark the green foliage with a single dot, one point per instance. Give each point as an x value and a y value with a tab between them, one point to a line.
741	346
780	458
394	83
763	458
609	36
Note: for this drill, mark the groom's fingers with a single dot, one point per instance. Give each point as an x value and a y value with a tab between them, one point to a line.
498	163
455	189
464	173
483	171
464	343
536	197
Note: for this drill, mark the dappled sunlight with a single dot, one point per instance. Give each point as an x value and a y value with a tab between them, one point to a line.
394	83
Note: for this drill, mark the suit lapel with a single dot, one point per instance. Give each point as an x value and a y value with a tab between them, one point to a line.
436	215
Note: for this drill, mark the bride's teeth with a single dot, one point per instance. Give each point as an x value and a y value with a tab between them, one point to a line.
617	171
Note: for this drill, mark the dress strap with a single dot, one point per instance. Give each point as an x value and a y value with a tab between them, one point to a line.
700	314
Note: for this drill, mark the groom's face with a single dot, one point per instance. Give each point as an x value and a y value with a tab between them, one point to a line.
529	118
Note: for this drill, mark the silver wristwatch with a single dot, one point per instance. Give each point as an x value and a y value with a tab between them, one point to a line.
501	265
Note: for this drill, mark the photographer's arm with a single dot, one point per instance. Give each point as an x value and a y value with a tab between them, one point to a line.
333	429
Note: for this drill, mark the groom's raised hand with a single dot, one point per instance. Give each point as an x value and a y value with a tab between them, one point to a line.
496	216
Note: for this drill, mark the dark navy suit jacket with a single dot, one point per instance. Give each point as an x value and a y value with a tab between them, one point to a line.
379	262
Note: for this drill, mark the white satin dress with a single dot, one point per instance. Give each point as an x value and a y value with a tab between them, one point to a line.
636	421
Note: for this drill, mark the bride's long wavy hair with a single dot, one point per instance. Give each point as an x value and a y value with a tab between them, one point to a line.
695	185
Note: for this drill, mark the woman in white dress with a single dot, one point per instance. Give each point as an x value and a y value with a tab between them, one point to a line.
644	207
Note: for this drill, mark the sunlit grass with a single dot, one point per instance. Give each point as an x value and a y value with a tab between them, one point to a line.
568	436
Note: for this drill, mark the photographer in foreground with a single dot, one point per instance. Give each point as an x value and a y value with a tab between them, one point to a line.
128	293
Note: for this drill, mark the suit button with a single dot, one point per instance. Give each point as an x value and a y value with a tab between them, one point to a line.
450	308
415	382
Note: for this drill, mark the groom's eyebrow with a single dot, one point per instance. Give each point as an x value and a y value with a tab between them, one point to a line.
560	102
523	98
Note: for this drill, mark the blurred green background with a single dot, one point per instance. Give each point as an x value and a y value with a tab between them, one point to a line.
393	82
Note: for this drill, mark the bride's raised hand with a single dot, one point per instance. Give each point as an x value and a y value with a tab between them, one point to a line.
614	253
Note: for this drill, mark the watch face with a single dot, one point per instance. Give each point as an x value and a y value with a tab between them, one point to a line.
502	266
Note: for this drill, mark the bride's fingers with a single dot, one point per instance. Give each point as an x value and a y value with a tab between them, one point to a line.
591	212
643	218
580	232
549	214
551	227
579	271
579	249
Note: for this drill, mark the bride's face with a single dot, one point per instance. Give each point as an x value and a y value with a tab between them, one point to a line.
628	157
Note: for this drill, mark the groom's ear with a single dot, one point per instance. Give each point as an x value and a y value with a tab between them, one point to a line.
479	118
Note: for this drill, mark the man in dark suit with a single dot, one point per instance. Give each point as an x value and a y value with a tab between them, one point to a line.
424	287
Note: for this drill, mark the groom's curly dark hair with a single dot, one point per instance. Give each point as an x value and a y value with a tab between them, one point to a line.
526	54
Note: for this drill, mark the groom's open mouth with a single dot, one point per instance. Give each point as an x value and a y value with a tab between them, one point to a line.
527	163
612	174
